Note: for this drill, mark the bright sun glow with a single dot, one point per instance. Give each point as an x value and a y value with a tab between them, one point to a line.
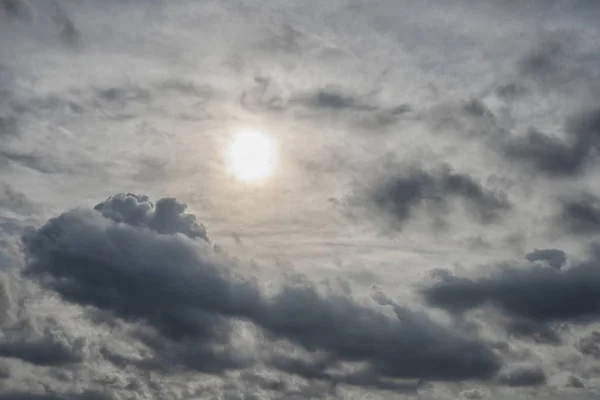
252	156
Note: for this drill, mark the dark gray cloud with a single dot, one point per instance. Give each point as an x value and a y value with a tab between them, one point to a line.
580	215
575	382
85	395
4	371
68	32
47	351
476	108
553	155
330	100
543	61
523	376
399	195
538	332
334	99
31	160
511	91
365	110
123	95
168	216
116	258
554	257
8	126
536	293
15	9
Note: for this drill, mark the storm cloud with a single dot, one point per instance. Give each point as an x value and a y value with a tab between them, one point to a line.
178	285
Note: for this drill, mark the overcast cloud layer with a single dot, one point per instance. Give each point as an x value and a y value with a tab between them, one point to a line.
431	229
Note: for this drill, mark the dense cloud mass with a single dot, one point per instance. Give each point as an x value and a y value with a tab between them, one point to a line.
186	291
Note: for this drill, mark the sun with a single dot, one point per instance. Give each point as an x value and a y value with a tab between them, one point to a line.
252	156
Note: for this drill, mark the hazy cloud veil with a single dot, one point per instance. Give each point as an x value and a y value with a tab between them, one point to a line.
430	231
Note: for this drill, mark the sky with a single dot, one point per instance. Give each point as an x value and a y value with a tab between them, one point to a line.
429	228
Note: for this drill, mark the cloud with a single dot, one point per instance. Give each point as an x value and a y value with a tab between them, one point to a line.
511	91
554	257
543	60
41	342
329	100
115	258
537	293
51	15
50	350
15	201
557	156
168	216
523	376
472	394
334	99
31	160
8	126
15	9
398	195
4	371
575	382
580	214
85	395
590	344
364	110
538	332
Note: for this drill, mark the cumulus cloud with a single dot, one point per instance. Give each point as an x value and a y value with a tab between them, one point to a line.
168	216
399	195
153	264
